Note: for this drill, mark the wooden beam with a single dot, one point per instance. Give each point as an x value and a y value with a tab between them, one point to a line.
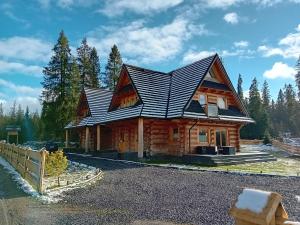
87	139
98	137
67	139
140	137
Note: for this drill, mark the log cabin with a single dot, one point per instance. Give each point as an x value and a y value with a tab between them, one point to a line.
193	109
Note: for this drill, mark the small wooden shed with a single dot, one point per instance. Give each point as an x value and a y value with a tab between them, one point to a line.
12	130
255	207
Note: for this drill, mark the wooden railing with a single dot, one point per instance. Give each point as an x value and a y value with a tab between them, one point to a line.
289	148
250	142
29	163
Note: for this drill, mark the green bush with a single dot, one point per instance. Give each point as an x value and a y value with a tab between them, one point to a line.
56	164
267	138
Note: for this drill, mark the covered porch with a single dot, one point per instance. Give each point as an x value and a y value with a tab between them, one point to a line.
121	136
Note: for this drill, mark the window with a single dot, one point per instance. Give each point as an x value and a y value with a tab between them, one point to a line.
203	135
175	133
212	110
210	74
202	99
221	102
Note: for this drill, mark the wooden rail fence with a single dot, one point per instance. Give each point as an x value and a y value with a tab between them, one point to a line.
289	148
29	163
250	142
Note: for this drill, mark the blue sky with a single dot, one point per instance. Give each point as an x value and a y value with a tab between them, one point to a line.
257	38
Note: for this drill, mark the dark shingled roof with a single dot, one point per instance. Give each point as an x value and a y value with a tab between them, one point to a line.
195	107
162	95
231	111
215	85
184	83
153	88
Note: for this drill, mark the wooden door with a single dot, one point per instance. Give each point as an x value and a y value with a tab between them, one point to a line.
221	137
124	139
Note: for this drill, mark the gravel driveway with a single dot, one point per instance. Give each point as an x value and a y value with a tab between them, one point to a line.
131	194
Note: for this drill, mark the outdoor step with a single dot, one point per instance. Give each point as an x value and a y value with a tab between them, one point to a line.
234	162
237	158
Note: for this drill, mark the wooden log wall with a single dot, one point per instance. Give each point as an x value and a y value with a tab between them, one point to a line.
231	129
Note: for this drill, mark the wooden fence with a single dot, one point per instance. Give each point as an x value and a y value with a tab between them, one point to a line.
250	142
30	164
289	148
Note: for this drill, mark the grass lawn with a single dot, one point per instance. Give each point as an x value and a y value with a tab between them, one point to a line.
285	164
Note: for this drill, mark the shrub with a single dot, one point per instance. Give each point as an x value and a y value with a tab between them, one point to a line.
267	138
56	164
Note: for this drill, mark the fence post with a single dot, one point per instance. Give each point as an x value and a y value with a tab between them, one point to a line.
43	153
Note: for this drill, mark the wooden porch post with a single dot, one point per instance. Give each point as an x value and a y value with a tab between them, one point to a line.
67	138
98	137
87	139
140	137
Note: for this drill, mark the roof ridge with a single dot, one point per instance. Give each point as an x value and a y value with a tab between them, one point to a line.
193	63
98	89
145	69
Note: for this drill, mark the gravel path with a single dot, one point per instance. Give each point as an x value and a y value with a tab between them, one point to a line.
130	194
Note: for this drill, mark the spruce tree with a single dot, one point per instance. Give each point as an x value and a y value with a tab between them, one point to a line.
55	87
1	111
240	88
95	69
113	68
266	95
75	90
84	63
298	76
257	112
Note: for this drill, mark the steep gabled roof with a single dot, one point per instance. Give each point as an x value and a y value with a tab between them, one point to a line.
153	89
162	95
98	101
184	83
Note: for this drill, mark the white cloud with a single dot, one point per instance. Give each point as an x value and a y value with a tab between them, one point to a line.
20	89
118	7
288	47
241	44
146	44
33	103
25	48
67	3
192	56
14	67
280	70
22	94
220	3
231	18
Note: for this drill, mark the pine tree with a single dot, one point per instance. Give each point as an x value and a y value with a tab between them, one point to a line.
55	87
75	90
95	69
266	95
298	76
240	88
1	111
291	108
84	63
113	68
257	112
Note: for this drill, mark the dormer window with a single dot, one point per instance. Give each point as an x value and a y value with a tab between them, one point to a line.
221	102
202	99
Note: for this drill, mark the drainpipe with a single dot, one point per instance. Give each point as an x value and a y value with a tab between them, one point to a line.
190	134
